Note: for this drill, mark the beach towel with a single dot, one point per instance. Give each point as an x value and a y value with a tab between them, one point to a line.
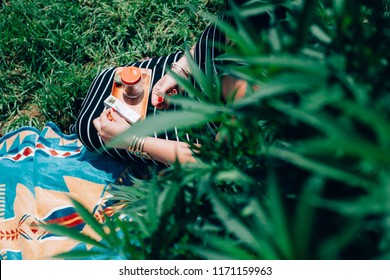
39	171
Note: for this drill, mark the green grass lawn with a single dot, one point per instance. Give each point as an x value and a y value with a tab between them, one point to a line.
301	170
51	50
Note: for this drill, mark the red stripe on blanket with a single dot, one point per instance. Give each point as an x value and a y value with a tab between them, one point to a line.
27	152
68	221
18	156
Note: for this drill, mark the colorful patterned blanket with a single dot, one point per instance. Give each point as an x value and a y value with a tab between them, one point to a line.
39	171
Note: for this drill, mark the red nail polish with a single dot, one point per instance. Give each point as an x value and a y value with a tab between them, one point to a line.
174	91
160	99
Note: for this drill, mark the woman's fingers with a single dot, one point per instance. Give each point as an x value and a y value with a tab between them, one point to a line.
172	92
165	86
109	125
101	133
116	117
157	96
104	116
96	124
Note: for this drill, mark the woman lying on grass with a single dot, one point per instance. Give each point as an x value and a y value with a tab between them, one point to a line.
41	169
97	125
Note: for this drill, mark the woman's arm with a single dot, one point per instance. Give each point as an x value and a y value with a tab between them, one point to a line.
110	124
233	89
168	151
167	84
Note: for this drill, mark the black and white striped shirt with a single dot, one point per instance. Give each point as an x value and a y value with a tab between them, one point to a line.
208	46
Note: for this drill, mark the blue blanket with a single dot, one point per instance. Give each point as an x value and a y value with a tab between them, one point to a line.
39	171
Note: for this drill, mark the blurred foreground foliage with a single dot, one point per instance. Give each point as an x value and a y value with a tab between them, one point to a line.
301	166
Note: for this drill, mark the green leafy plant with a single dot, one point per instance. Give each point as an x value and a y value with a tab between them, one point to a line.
301	166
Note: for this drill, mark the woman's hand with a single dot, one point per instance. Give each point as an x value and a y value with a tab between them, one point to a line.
165	86
109	125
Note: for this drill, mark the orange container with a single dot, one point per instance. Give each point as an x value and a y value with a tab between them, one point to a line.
131	78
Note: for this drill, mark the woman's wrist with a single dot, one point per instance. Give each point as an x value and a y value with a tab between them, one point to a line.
168	151
136	148
182	66
180	70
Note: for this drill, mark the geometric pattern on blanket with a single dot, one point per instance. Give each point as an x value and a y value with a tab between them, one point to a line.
39	172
